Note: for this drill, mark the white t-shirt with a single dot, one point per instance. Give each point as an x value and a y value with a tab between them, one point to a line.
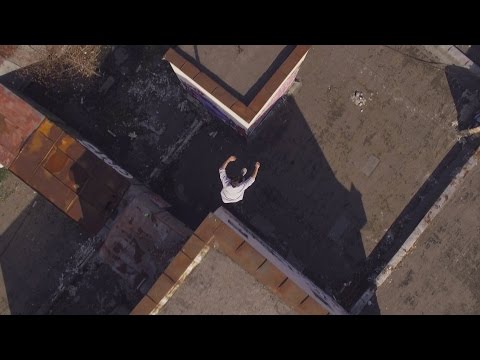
232	194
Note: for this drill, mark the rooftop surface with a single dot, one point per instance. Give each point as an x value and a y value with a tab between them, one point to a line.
218	286
333	178
241	69
440	275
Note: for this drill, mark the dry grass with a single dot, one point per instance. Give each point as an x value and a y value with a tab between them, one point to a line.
60	62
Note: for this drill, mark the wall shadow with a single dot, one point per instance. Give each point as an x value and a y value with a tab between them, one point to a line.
473	54
464	89
296	204
34	251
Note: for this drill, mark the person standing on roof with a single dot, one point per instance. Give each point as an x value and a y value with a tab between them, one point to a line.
233	189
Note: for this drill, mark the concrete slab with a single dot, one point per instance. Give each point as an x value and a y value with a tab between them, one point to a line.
218	286
370	165
440	276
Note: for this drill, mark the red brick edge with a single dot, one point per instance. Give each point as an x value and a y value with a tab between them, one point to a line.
180	266
213	232
241	252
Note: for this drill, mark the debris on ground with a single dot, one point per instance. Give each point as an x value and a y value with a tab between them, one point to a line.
358	99
468	132
132	135
111	133
297	83
183	106
213	134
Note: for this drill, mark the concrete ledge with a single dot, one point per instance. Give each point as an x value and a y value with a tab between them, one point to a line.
161	287
311	307
207	228
450	55
291	293
179	268
193	247
7	66
144	307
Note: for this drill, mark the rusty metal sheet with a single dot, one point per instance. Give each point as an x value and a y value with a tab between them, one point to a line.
99	188
58	167
50	130
34	151
53	189
88	162
71	147
66	170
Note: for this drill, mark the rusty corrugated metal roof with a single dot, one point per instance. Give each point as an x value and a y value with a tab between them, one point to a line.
60	168
56	165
